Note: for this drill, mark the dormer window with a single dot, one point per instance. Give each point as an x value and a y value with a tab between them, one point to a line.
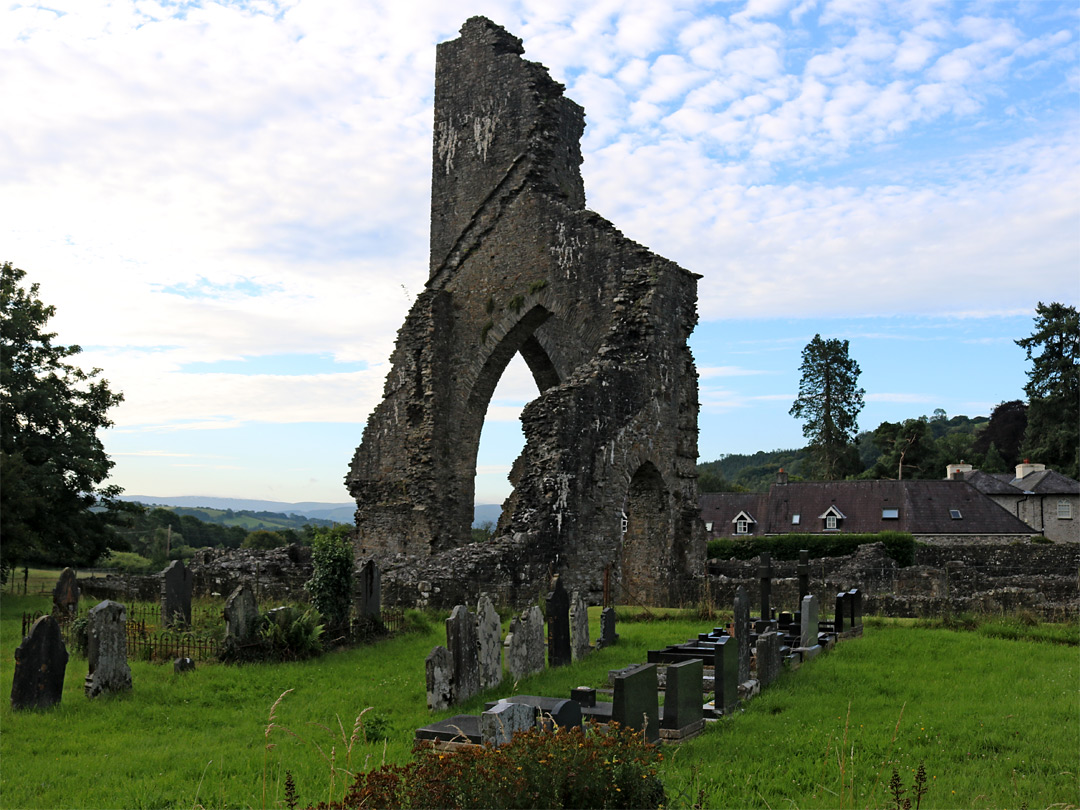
743	523
832	517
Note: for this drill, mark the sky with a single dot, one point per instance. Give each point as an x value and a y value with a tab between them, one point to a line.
227	203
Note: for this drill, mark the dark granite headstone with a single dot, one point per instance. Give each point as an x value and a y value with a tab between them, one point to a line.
765	575
40	664
106	649
635	703
462	641
840	623
804	573
66	594
768	658
461	728
854	599
682	696
608	636
439	675
369	590
742	632
726	674
584	696
558	625
176	587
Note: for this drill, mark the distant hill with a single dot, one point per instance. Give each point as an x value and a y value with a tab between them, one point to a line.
336	512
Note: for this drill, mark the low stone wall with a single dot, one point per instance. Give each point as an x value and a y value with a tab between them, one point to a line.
982	578
275	575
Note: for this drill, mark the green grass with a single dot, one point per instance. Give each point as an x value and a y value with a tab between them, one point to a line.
994	720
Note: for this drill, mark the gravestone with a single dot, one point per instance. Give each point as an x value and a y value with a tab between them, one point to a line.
499	724
635	703
804	573
106	649
40	663
242	618
742	632
579	627
489	637
726	674
809	615
462	642
608	636
176	586
768	658
66	594
550	711
525	655
765	575
368	591
854	601
682	699
839	622
181	665
439	675
558	625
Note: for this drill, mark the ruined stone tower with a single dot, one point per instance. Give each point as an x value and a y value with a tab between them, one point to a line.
607	479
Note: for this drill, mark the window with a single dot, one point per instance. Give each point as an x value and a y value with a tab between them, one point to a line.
741	526
1064	510
830	522
832	517
708	526
890	514
955	514
794	520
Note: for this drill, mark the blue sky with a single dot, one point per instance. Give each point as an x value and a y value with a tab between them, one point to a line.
228	203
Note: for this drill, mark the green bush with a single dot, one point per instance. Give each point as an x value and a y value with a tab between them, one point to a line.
331	583
128	562
898	545
564	768
292	634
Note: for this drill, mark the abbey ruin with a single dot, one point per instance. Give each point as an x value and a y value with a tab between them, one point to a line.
605	488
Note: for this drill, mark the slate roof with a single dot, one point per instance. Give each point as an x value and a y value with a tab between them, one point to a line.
1044	482
923	507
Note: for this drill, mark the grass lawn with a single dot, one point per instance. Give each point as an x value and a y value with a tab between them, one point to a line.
995	721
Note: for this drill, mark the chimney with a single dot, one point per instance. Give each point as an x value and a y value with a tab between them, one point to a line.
951	471
1027	468
781	477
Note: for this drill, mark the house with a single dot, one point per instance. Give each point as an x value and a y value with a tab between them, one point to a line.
1046	500
932	511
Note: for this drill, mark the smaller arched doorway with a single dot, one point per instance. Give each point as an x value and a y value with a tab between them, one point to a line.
645	555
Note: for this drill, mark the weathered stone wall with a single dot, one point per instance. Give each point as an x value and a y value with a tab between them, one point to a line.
1043	578
519	265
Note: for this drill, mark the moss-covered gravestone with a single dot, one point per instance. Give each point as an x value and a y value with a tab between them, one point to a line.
40	664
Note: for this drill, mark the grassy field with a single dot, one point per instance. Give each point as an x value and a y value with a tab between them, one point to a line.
995	721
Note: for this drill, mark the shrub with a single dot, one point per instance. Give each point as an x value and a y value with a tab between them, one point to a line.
331	582
292	634
900	546
564	768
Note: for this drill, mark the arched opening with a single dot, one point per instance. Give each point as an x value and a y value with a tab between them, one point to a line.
646	526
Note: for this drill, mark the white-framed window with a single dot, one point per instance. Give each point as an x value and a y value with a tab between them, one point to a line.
1064	510
795	520
830	522
742	526
708	526
888	513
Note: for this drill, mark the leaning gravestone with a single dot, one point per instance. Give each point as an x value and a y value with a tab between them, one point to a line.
579	627
489	631
525	654
742	632
66	594
176	595
106	650
500	723
768	658
369	591
439	675
462	642
809	616
242	618
40	664
608	636
558	625
635	703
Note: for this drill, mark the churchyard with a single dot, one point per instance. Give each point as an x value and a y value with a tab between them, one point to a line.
993	720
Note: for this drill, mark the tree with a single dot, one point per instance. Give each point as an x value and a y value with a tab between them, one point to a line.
1053	428
331	583
907	450
263	539
54	464
1005	431
829	403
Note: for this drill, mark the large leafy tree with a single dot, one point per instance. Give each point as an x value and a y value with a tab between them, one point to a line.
829	403
907	450
1053	418
1005	431
53	463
